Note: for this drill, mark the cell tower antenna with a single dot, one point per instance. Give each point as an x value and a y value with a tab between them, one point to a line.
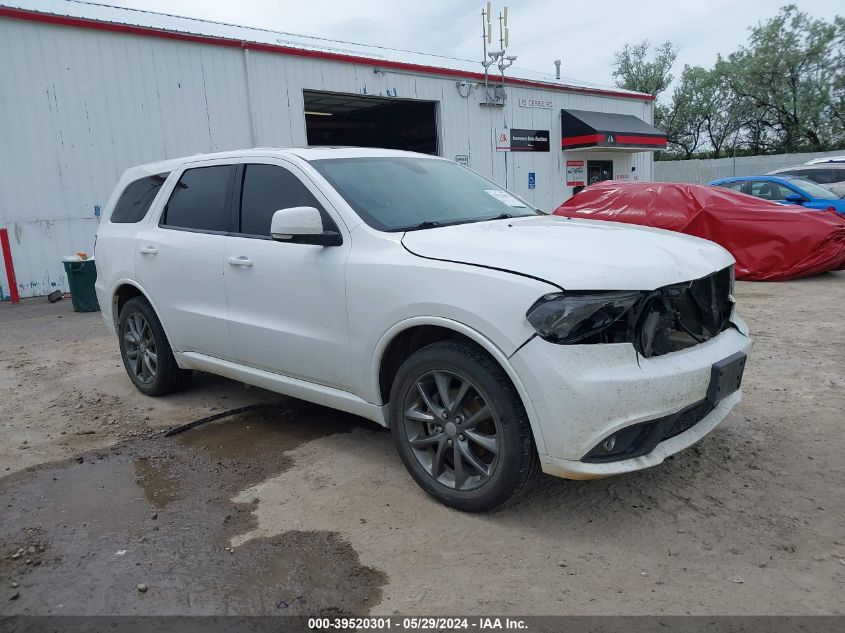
498	58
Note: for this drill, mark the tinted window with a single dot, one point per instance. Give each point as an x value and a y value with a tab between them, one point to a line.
821	176
267	189
199	200
136	199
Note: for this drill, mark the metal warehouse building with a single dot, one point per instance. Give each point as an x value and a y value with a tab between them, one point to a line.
87	91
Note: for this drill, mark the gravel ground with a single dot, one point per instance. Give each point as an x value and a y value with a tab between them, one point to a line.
293	508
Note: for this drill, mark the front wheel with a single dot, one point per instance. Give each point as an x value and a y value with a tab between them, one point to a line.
146	352
460	427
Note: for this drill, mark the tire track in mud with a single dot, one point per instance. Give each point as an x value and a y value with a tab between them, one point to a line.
144	527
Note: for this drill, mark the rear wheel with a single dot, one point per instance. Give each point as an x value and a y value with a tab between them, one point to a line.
146	353
460	427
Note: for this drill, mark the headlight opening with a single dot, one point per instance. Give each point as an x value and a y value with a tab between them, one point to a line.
574	317
656	322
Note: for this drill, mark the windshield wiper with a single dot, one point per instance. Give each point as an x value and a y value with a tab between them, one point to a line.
428	224
432	224
504	216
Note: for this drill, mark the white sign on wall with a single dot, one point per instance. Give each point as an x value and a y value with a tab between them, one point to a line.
535	103
502	138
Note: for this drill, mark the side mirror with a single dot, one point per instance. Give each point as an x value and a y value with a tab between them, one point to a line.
795	198
302	225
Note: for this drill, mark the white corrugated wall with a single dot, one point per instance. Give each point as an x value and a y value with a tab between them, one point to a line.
700	171
78	106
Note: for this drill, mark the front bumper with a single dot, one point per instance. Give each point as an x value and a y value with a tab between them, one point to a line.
581	394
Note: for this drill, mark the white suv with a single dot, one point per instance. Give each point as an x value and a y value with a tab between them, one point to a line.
492	339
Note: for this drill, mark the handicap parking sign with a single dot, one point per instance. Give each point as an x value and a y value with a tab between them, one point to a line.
532	180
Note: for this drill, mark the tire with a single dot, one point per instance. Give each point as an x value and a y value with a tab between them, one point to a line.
497	457
157	377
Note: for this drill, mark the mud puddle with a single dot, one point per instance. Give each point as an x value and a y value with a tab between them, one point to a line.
144	528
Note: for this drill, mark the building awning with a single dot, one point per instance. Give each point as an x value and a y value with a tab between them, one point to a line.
583	129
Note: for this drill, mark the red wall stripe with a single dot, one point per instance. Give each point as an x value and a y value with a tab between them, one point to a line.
10	268
641	140
584	138
620	139
63	20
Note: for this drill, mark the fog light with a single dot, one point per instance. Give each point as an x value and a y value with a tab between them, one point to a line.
609	443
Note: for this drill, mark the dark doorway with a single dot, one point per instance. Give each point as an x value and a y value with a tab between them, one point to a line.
598	170
333	118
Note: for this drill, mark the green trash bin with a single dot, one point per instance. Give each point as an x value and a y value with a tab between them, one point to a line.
81	275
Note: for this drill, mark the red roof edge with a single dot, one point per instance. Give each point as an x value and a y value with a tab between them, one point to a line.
64	20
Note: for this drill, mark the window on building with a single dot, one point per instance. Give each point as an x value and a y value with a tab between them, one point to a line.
199	200
136	199
266	189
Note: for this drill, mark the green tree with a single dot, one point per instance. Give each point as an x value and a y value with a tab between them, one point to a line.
788	74
838	87
683	117
636	70
724	112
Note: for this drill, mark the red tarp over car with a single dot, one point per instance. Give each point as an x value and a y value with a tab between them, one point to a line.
770	241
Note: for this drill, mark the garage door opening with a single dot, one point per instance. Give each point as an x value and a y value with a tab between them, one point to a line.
333	118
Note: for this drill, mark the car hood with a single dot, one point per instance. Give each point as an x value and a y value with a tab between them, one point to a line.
574	254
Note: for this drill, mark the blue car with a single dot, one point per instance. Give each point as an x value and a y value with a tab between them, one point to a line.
785	190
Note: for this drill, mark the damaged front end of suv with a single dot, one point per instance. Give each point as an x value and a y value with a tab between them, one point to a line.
655	322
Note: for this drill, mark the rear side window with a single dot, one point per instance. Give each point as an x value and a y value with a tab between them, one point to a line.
736	186
266	189
136	199
822	176
200	200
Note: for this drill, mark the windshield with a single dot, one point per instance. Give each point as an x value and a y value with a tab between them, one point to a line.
815	191
406	193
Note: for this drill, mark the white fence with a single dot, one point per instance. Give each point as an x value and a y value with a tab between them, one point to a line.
702	171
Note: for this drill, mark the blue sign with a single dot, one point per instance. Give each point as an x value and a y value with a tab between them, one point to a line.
532	180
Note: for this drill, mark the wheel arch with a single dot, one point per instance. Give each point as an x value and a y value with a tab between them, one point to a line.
126	289
405	337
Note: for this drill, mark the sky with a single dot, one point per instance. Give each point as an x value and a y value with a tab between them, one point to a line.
583	34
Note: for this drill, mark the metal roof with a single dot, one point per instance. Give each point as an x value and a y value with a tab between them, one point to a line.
106	17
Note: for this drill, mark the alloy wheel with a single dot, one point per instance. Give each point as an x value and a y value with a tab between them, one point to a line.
140	346
452	430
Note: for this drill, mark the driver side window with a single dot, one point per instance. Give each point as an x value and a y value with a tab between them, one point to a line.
768	190
268	188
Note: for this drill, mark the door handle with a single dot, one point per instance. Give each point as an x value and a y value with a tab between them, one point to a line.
240	261
148	250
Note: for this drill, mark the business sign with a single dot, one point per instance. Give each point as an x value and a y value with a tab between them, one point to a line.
518	140
462	159
532	180
546	104
574	173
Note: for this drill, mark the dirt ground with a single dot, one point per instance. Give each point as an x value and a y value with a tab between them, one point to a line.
291	508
